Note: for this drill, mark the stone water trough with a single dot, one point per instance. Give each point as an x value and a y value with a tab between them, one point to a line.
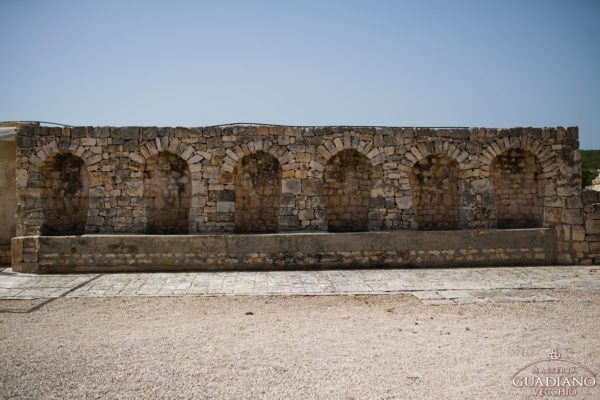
208	252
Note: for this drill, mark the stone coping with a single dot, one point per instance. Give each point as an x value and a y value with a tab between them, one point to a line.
289	250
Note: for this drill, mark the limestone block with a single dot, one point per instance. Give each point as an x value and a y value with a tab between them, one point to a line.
164	143
135	188
404	202
286	157
292	186
196	167
195	159
130	132
592	226
312	187
93	159
305	215
578	233
173	145
204	154
101	132
339	145
572	216
22	177
330	147
232	155
97	191
554	202
88	142
187	152
323	152
135	157
480	185
226	206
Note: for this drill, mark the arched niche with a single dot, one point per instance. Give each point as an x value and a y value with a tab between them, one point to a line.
167	194
257	183
347	190
434	184
518	189
64	195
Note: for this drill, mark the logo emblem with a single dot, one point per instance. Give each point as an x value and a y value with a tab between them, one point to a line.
555	376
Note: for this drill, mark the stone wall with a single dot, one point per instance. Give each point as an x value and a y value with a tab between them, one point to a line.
435	191
64	185
347	191
167	190
5	255
392	168
8	196
591	208
257	191
518	189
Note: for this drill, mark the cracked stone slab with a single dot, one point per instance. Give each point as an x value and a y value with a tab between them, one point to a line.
455	294
427	295
438	302
508	296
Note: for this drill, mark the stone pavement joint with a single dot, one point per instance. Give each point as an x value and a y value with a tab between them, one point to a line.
432	286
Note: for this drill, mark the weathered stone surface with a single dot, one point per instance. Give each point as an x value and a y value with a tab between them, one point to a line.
10	180
167	194
115	253
226	206
64	195
320	178
518	186
347	191
135	188
257	184
434	186
292	186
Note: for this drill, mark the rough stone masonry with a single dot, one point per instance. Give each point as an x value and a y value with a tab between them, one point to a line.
264	179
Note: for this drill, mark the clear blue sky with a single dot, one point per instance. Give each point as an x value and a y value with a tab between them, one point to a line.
194	63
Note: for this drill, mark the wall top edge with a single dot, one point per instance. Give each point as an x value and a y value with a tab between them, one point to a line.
244	125
200	236
236	131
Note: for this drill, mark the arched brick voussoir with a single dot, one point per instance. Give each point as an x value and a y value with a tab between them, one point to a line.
71	147
328	150
151	148
440	148
443	148
281	153
350	141
544	154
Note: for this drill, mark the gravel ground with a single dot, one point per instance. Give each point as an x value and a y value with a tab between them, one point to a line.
287	347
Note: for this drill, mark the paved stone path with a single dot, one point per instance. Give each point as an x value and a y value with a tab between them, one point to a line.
432	286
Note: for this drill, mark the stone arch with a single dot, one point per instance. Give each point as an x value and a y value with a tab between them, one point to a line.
437	147
42	163
518	187
235	154
257	186
347	190
434	184
174	146
195	160
167	193
544	154
66	147
349	141
64	193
